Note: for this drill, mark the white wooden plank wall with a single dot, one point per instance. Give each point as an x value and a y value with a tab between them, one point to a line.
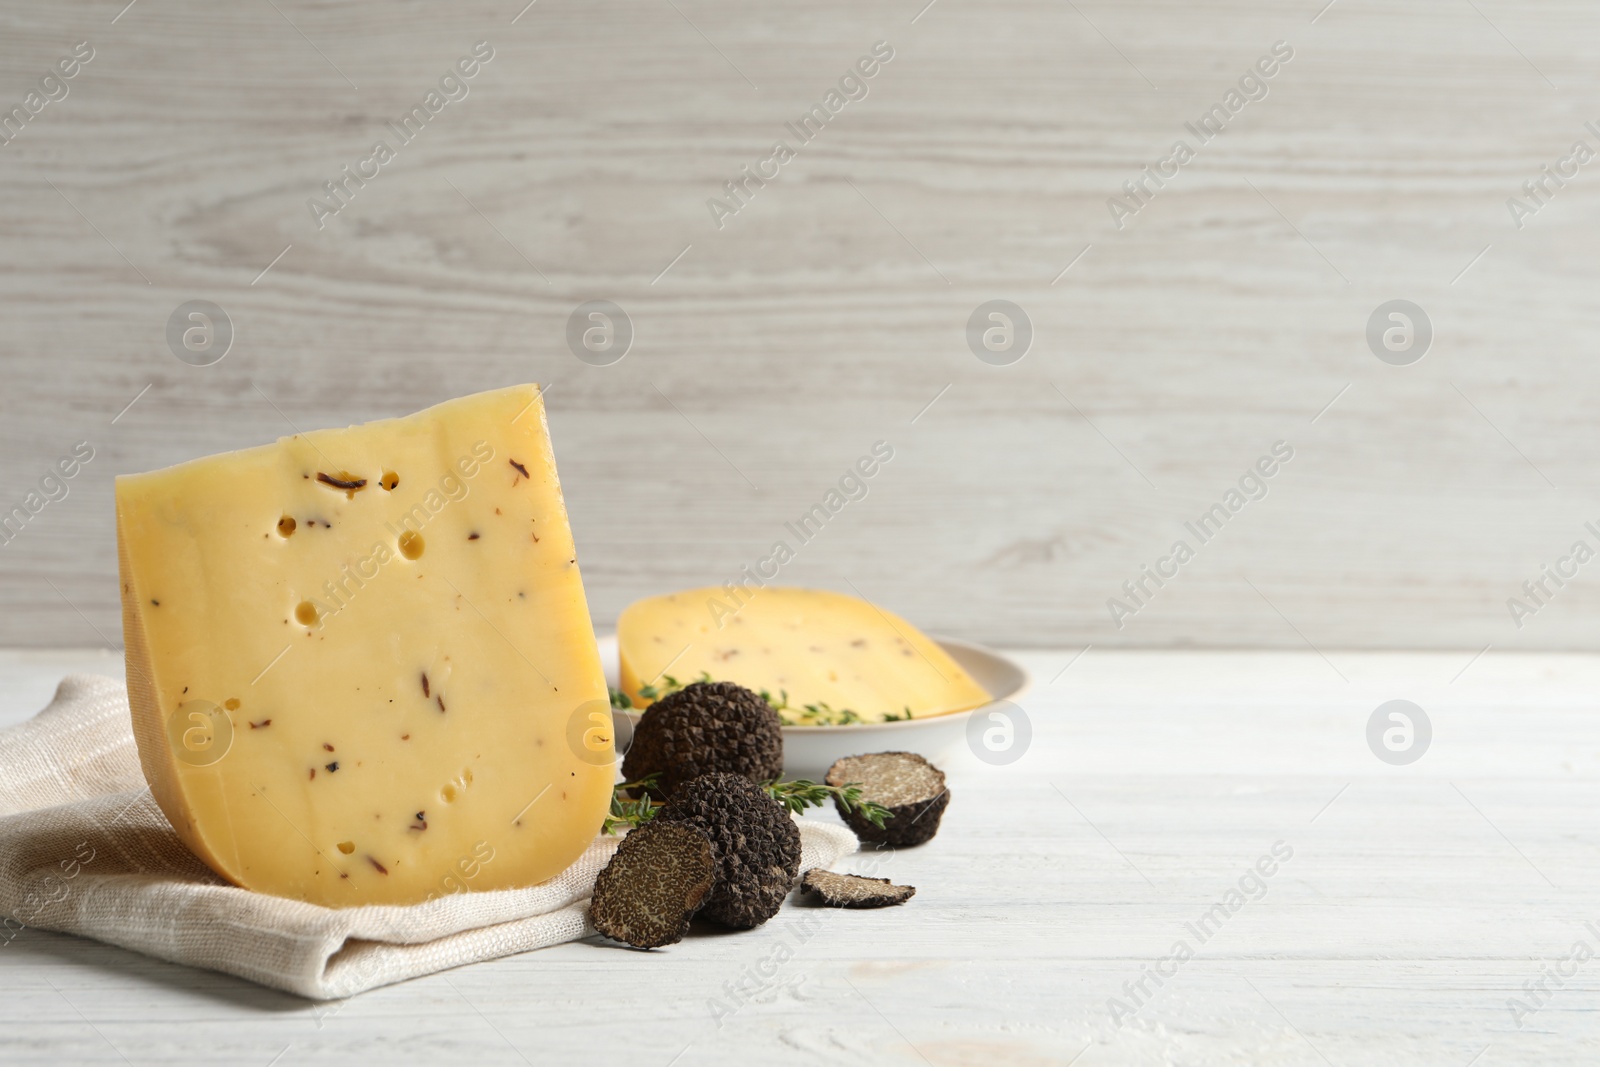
1229	313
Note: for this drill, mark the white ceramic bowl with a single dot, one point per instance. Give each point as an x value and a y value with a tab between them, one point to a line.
808	751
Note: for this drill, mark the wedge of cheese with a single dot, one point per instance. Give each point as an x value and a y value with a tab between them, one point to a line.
360	661
824	658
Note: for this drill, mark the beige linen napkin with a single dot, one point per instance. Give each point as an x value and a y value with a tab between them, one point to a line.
85	850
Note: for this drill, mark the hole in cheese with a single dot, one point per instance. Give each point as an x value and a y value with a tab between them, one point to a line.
305	613
347	847
448	793
285	526
389	480
411	544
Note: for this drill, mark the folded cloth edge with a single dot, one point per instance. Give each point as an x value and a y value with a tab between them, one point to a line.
98	859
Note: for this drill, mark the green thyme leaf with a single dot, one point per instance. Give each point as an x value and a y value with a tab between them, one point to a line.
667	685
802	793
628	812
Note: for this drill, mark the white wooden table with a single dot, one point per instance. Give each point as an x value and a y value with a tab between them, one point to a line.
1418	901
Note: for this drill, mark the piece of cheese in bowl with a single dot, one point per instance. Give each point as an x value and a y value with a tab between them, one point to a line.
821	658
360	661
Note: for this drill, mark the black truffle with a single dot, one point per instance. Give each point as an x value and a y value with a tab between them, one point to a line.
705	727
756	843
656	881
854	890
908	785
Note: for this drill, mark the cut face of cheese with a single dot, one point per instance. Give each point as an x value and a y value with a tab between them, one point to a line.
360	661
848	659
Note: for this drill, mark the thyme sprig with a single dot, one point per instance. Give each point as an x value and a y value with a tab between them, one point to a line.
668	684
628	812
818	714
654	691
802	793
796	796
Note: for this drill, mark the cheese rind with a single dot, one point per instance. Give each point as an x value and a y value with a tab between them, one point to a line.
360	661
819	647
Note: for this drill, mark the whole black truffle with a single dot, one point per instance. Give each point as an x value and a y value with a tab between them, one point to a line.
908	785
654	884
854	890
705	727
756	842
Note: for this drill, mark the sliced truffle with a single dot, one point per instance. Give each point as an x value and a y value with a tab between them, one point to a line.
909	786
854	890
756	843
705	727
654	884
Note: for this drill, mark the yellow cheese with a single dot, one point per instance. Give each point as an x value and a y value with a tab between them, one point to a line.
360	661
845	657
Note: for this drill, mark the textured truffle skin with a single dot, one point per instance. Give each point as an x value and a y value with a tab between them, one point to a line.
653	885
855	890
756	842
908	785
705	727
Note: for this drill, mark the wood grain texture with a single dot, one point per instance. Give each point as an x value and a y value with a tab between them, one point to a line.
1416	904
830	311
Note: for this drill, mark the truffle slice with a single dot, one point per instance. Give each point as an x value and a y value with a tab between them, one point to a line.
756	843
656	881
854	890
908	785
705	727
